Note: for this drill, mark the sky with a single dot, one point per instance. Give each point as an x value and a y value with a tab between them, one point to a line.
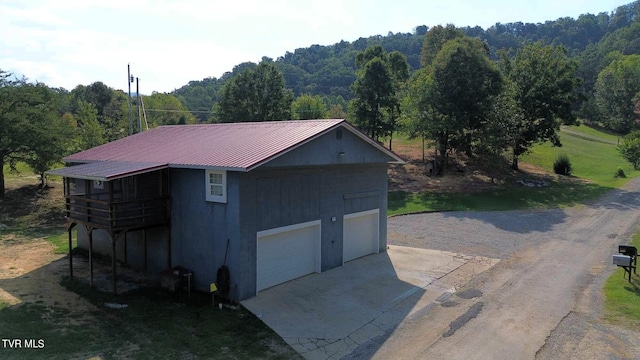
169	43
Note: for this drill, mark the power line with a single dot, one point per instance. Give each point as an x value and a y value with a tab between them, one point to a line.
189	111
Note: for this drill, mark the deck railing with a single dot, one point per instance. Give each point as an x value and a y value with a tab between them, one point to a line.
118	215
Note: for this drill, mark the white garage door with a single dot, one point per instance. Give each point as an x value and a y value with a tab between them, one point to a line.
287	253
360	234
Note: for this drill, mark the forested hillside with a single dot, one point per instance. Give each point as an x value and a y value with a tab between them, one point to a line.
329	71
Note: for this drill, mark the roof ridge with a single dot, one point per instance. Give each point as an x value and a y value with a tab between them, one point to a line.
270	122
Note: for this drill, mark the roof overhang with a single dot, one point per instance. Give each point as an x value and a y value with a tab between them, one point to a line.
106	170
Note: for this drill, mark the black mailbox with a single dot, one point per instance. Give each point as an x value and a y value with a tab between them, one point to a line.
628	250
632	253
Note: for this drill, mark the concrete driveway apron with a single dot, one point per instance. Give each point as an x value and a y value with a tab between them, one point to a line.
329	315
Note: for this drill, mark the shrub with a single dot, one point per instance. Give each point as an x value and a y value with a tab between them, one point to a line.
562	165
630	149
620	173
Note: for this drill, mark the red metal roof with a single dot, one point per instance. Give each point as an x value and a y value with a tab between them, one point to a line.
232	146
106	170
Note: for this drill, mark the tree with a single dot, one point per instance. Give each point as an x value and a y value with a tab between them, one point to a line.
630	148
308	107
255	94
166	109
29	127
545	87
464	85
379	80
110	105
617	86
336	112
89	132
198	96
50	143
435	39
419	116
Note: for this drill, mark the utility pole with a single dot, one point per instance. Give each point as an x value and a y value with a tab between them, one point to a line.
129	81
138	103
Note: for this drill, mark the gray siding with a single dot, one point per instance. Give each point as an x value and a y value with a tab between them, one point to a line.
200	229
327	150
276	198
287	199
347	190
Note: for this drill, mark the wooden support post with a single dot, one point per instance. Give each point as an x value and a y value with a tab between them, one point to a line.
113	262
125	248
144	244
90	256
70	254
169	248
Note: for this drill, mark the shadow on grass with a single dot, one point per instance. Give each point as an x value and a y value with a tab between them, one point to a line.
155	324
634	289
558	195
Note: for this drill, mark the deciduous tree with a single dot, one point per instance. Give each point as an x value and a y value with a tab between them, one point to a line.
617	86
255	94
89	132
465	83
30	126
379	81
308	107
630	148
435	39
545	86
166	109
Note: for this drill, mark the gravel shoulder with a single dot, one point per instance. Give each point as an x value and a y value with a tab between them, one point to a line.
544	300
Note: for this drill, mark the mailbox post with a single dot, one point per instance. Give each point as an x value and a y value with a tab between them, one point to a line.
627	259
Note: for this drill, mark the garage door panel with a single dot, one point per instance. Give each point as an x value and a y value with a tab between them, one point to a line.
360	234
287	253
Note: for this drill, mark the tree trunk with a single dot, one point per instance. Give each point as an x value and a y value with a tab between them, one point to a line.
467	147
442	149
514	163
43	181
390	141
1	176
422	148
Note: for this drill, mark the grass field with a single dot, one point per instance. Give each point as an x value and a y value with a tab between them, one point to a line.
622	298
511	198
591	159
154	325
35	213
593	155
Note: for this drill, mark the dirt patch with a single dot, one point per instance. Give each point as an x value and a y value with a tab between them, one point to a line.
462	174
30	272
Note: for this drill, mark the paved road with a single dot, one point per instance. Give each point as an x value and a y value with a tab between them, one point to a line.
541	301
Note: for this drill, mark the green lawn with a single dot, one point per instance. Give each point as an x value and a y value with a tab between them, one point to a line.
622	299
593	157
154	325
588	131
594	160
510	198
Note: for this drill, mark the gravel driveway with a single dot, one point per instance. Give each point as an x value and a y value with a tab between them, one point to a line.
495	234
544	300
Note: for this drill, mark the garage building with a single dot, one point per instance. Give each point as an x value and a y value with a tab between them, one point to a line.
271	201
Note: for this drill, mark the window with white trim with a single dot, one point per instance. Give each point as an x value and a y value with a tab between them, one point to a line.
216	186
